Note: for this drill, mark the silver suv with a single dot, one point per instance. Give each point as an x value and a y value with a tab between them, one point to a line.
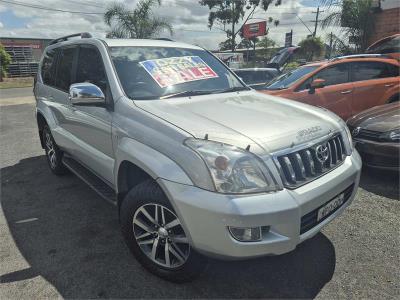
197	163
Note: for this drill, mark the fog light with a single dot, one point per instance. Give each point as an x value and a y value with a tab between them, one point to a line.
246	234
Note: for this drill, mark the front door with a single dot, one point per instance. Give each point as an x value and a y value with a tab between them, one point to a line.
337	93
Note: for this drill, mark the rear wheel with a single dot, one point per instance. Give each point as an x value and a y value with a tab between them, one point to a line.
154	234
53	153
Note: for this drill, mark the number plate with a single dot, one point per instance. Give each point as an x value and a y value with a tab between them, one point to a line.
331	206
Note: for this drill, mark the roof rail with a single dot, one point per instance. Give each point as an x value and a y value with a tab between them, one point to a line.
360	56
164	39
83	35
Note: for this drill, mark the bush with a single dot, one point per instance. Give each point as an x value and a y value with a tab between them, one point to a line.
5	60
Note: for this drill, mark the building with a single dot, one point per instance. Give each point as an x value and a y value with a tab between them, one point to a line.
25	55
387	19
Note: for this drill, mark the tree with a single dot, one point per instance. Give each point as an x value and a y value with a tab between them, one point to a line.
355	16
228	13
139	23
266	43
5	60
311	47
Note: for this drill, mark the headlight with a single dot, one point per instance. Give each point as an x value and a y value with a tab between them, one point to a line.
391	136
233	170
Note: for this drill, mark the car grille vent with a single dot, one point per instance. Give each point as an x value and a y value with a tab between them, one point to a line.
300	167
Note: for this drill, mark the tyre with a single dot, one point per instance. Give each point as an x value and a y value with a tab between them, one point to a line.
155	236
53	153
395	98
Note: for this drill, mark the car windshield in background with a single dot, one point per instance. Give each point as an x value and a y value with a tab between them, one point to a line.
163	72
289	78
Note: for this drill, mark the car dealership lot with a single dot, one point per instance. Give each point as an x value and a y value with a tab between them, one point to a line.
58	238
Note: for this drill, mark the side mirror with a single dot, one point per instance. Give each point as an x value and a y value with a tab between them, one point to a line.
316	84
86	94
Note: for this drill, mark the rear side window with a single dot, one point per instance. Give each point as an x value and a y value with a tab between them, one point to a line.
65	67
336	74
49	67
90	67
373	70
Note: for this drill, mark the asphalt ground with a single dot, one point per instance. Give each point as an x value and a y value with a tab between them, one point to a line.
59	239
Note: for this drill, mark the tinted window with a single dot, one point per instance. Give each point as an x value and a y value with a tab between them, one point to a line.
90	67
289	78
64	69
48	67
336	74
391	45
254	77
157	72
373	70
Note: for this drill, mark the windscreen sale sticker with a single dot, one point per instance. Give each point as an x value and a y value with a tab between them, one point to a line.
174	70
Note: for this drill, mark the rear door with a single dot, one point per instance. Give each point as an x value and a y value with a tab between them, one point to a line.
373	82
337	93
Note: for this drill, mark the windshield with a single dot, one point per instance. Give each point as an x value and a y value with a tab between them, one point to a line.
159	72
289	78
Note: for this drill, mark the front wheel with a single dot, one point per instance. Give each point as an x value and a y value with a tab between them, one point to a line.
154	234
53	153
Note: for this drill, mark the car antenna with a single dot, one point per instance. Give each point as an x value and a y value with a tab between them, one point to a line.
248	148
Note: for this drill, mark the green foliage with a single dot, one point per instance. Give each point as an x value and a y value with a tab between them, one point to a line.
227	14
5	60
139	23
290	66
268	46
356	18
311	47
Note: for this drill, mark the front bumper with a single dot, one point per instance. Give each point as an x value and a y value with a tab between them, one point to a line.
379	155
206	215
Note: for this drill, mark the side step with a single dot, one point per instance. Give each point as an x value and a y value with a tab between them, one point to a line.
98	185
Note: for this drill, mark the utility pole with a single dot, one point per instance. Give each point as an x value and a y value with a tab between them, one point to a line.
330	45
316	20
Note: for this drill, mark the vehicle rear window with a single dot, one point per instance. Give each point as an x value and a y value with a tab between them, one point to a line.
135	66
373	70
48	67
64	69
254	77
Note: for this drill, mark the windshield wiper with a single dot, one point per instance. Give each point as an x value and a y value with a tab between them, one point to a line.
232	89
186	94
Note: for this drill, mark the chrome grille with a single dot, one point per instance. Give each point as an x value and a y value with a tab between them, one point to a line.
300	167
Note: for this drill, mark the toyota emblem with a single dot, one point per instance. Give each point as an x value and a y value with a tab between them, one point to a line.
322	153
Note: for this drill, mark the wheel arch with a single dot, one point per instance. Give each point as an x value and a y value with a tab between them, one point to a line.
41	122
394	98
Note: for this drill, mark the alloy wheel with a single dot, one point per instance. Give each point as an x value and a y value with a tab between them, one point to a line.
160	235
51	153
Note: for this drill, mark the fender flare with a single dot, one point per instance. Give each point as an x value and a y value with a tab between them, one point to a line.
154	163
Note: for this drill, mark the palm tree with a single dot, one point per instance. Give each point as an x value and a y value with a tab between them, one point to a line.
356	17
139	23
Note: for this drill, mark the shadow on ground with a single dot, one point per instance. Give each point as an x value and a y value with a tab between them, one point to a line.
380	182
71	237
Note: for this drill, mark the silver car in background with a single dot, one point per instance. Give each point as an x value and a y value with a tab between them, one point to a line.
196	163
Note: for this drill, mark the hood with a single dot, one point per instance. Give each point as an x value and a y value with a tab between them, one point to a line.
245	118
379	118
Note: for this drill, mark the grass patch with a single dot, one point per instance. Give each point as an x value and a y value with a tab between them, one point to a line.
9	83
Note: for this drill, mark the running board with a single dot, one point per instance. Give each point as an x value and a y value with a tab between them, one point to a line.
98	185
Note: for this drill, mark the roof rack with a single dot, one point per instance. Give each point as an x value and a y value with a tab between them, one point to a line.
164	39
83	35
360	56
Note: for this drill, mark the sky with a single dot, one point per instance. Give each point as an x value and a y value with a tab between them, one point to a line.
188	18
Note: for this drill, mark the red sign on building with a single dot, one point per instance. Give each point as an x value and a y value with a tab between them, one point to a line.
254	29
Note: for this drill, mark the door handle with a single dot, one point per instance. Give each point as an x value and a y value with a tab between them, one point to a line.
346	92
389	84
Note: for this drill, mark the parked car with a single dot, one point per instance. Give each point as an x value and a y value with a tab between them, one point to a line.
389	45
345	85
376	133
196	163
257	78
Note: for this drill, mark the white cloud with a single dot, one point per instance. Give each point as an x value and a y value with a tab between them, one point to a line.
1	25
188	18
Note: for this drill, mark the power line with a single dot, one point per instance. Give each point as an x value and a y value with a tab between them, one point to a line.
49	9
